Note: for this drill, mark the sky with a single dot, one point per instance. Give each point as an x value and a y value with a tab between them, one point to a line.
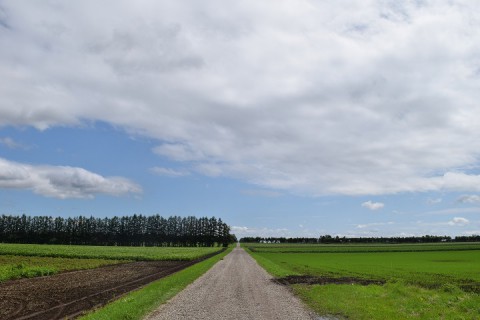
292	118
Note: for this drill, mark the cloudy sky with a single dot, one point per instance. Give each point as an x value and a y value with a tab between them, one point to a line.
285	118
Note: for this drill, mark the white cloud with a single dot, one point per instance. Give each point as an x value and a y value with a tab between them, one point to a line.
242	231
61	182
10	143
472	232
373	205
261	193
469	199
450	211
434	201
458	221
362	99
373	224
169	172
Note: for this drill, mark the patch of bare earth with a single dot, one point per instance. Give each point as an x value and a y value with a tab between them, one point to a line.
69	294
326	280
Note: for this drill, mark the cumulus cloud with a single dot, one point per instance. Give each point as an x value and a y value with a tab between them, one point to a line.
469	199
169	172
458	221
373	205
61	181
364	99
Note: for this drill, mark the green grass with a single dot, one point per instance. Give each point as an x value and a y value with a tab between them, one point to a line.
15	267
423	281
392	301
137	304
428	269
104	252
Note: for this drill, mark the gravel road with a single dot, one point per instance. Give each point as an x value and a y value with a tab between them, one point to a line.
235	288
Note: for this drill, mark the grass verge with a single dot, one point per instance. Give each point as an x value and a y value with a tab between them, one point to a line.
394	301
138	304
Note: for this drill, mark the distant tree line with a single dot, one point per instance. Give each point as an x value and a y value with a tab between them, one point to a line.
136	230
329	239
473	238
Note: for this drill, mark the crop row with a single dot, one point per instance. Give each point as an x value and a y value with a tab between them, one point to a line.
15	267
107	252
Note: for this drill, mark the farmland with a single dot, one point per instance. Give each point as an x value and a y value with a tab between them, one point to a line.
15	267
106	252
64	294
406	281
362	248
30	260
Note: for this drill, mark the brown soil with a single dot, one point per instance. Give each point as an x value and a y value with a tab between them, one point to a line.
70	294
326	280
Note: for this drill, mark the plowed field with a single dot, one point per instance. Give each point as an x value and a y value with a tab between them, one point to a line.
69	294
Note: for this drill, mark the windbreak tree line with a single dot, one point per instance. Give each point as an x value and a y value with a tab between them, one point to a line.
327	239
136	230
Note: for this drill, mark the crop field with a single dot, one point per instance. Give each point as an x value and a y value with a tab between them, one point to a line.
407	281
15	267
335	248
31	260
68	294
105	252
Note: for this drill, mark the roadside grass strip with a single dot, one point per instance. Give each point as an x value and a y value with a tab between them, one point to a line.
392	301
420	284
138	304
16	267
107	252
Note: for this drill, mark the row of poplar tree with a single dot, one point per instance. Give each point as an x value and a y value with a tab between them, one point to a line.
136	230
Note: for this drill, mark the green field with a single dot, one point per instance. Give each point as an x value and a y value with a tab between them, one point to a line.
362	248
31	260
105	252
15	267
423	281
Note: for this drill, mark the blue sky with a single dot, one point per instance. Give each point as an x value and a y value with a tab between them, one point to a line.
357	118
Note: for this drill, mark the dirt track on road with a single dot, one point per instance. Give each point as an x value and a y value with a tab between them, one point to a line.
235	288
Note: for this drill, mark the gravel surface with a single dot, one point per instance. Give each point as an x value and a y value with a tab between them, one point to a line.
235	288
